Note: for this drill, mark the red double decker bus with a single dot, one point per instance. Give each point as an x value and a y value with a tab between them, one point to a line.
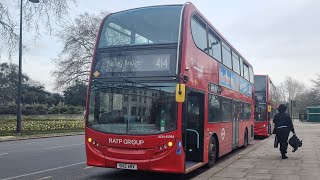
265	105
167	92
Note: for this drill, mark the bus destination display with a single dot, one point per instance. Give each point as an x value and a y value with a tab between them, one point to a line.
134	63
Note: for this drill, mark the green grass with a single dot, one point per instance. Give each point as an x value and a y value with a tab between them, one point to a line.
43	126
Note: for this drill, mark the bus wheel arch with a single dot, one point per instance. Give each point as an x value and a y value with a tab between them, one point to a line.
213	150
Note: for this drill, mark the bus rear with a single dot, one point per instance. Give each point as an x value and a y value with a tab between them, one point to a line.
132	119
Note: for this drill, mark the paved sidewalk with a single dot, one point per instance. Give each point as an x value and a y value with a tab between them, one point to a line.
264	161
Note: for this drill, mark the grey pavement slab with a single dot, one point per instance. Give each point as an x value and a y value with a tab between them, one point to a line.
264	161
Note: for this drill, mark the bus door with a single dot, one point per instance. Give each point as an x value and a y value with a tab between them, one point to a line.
193	128
235	124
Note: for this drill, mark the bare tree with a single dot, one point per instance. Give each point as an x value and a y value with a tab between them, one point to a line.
34	15
305	96
78	37
305	99
316	87
280	94
292	87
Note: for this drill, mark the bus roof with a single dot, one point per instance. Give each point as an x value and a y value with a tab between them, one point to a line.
202	16
265	76
145	7
224	39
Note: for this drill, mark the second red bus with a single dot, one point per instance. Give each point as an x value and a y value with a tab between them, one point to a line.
265	105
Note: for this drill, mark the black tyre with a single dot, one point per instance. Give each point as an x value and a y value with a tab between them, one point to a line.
212	153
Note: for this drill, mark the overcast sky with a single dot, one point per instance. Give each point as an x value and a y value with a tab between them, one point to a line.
279	38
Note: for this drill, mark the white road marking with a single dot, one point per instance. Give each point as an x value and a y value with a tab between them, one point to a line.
87	167
48	177
64	146
3	154
38	172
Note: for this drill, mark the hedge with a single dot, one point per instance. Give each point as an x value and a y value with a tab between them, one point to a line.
41	109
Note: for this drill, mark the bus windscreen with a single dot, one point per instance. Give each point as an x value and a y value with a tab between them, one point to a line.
260	88
260	113
260	84
141	109
142	26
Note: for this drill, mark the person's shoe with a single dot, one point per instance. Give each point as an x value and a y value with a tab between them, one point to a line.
284	157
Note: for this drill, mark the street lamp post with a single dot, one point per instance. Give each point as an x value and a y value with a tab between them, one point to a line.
20	72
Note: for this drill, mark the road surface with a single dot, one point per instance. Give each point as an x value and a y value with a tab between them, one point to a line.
63	158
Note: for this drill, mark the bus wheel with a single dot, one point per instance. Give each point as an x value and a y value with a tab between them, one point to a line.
212	153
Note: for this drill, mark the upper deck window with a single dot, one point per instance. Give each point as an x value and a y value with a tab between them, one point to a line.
260	89
241	67
235	62
251	74
199	33
260	84
246	71
214	45
150	25
226	55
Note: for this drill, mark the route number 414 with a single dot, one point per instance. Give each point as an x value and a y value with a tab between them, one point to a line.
162	63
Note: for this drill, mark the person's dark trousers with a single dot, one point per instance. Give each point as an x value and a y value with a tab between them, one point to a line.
283	134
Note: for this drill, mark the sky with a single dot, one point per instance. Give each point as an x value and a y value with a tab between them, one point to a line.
279	38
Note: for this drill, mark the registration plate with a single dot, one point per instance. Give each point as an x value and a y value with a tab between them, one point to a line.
127	166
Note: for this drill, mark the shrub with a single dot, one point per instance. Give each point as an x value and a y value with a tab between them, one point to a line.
63	109
9	109
29	110
41	109
54	110
70	110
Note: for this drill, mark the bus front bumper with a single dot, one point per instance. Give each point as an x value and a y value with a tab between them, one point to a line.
171	162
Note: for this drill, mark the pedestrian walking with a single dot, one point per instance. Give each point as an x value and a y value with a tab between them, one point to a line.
300	117
283	126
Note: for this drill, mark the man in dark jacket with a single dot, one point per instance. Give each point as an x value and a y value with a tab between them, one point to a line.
283	125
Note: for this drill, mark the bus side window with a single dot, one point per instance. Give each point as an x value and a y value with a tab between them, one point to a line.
251	74
214	108
226	109
235	63
242	112
246	71
226	55
214	46
241	67
199	33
